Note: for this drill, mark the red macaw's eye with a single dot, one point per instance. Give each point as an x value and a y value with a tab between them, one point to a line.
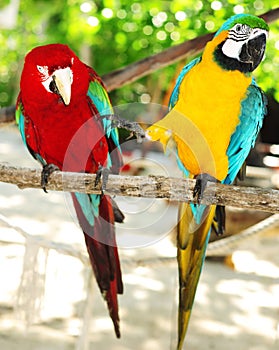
42	69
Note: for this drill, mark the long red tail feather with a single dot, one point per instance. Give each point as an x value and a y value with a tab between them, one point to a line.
101	245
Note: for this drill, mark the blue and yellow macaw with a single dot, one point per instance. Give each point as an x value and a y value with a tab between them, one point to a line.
215	112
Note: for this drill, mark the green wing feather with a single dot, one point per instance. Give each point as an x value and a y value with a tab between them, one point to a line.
99	96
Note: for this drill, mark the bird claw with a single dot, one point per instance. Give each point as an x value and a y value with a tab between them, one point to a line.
220	219
48	169
102	175
133	127
201	182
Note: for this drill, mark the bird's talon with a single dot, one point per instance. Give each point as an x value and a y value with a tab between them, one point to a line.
48	169
102	173
133	127
197	190
200	186
220	219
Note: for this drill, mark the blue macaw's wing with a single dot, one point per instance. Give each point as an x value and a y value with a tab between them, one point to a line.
174	99
253	110
185	70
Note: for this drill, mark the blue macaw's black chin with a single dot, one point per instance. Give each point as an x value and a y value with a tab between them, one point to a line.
252	52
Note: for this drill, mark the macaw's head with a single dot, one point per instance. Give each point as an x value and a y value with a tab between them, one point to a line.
53	74
240	43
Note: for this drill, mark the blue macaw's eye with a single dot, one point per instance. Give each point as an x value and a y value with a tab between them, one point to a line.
238	28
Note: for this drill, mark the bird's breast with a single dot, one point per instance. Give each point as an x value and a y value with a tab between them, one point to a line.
210	98
71	138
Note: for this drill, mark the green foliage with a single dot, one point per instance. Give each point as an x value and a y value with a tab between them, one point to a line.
110	34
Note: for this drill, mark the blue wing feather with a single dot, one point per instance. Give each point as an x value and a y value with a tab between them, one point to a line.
174	99
20	122
253	110
90	205
185	70
196	209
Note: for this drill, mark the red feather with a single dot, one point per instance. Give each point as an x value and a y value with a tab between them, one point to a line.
103	255
73	138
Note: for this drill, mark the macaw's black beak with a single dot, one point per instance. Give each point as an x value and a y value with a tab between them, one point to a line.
53	87
61	84
252	51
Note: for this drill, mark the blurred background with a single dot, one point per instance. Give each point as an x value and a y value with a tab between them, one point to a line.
110	34
47	299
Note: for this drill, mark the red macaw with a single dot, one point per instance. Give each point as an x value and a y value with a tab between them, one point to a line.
61	111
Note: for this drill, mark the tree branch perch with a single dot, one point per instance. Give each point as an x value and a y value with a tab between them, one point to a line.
173	189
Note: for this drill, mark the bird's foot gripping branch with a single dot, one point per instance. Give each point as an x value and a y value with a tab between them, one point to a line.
48	169
133	127
201	182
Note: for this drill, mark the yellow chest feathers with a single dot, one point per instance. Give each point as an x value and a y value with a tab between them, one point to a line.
206	115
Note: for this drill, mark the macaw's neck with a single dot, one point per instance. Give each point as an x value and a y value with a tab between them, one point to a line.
38	100
235	80
208	88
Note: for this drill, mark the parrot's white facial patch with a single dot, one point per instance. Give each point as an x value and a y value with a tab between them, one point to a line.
44	76
62	75
237	37
239	34
46	83
232	48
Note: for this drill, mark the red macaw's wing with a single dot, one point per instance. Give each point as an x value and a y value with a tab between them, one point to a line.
101	105
97	214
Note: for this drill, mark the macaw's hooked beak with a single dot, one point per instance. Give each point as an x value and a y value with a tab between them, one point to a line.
252	51
61	84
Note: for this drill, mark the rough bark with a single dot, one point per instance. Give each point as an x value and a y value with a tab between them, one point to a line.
173	189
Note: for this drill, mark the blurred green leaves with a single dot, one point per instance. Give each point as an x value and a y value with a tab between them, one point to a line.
110	34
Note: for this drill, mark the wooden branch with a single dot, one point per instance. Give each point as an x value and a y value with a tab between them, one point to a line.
7	115
270	16
136	70
148	65
173	189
